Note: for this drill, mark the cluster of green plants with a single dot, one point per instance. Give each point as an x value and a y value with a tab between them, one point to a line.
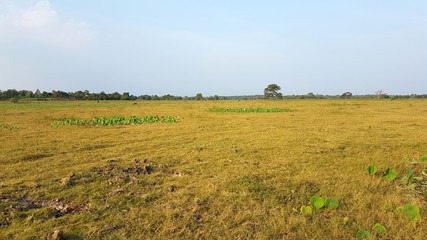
411	181
7	126
318	203
250	110
411	212
116	120
362	233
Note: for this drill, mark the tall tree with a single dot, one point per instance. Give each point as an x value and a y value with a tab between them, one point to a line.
272	91
346	95
199	96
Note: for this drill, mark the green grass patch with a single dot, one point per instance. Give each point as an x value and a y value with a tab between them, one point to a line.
8	126
116	120
250	110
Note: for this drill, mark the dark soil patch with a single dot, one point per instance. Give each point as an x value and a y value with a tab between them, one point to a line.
57	204
11	207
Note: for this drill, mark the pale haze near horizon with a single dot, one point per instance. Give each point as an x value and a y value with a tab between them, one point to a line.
214	47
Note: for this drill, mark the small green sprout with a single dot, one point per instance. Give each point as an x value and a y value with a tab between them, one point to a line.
372	170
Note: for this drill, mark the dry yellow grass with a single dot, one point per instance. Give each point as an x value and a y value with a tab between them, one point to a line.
213	175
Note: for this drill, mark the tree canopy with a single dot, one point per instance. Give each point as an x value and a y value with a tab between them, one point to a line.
199	96
346	95
272	92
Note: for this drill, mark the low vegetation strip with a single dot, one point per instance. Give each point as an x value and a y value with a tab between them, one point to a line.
8	126
116	120
250	110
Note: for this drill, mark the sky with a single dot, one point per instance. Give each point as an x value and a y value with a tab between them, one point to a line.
214	47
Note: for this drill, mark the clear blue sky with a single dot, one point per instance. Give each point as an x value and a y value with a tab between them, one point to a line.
214	47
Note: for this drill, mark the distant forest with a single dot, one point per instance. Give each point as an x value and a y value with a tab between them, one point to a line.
15	95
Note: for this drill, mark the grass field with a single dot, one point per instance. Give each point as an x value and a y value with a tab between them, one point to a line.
214	175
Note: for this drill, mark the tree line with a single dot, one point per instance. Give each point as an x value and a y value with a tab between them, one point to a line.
271	92
15	95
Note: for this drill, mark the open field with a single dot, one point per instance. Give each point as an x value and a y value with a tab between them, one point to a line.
214	175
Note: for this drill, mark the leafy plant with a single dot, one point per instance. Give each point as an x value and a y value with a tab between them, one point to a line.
306	210
405	159
372	170
410	171
410	174
404	180
379	228
412	213
363	234
331	203
424	159
390	174
317	202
